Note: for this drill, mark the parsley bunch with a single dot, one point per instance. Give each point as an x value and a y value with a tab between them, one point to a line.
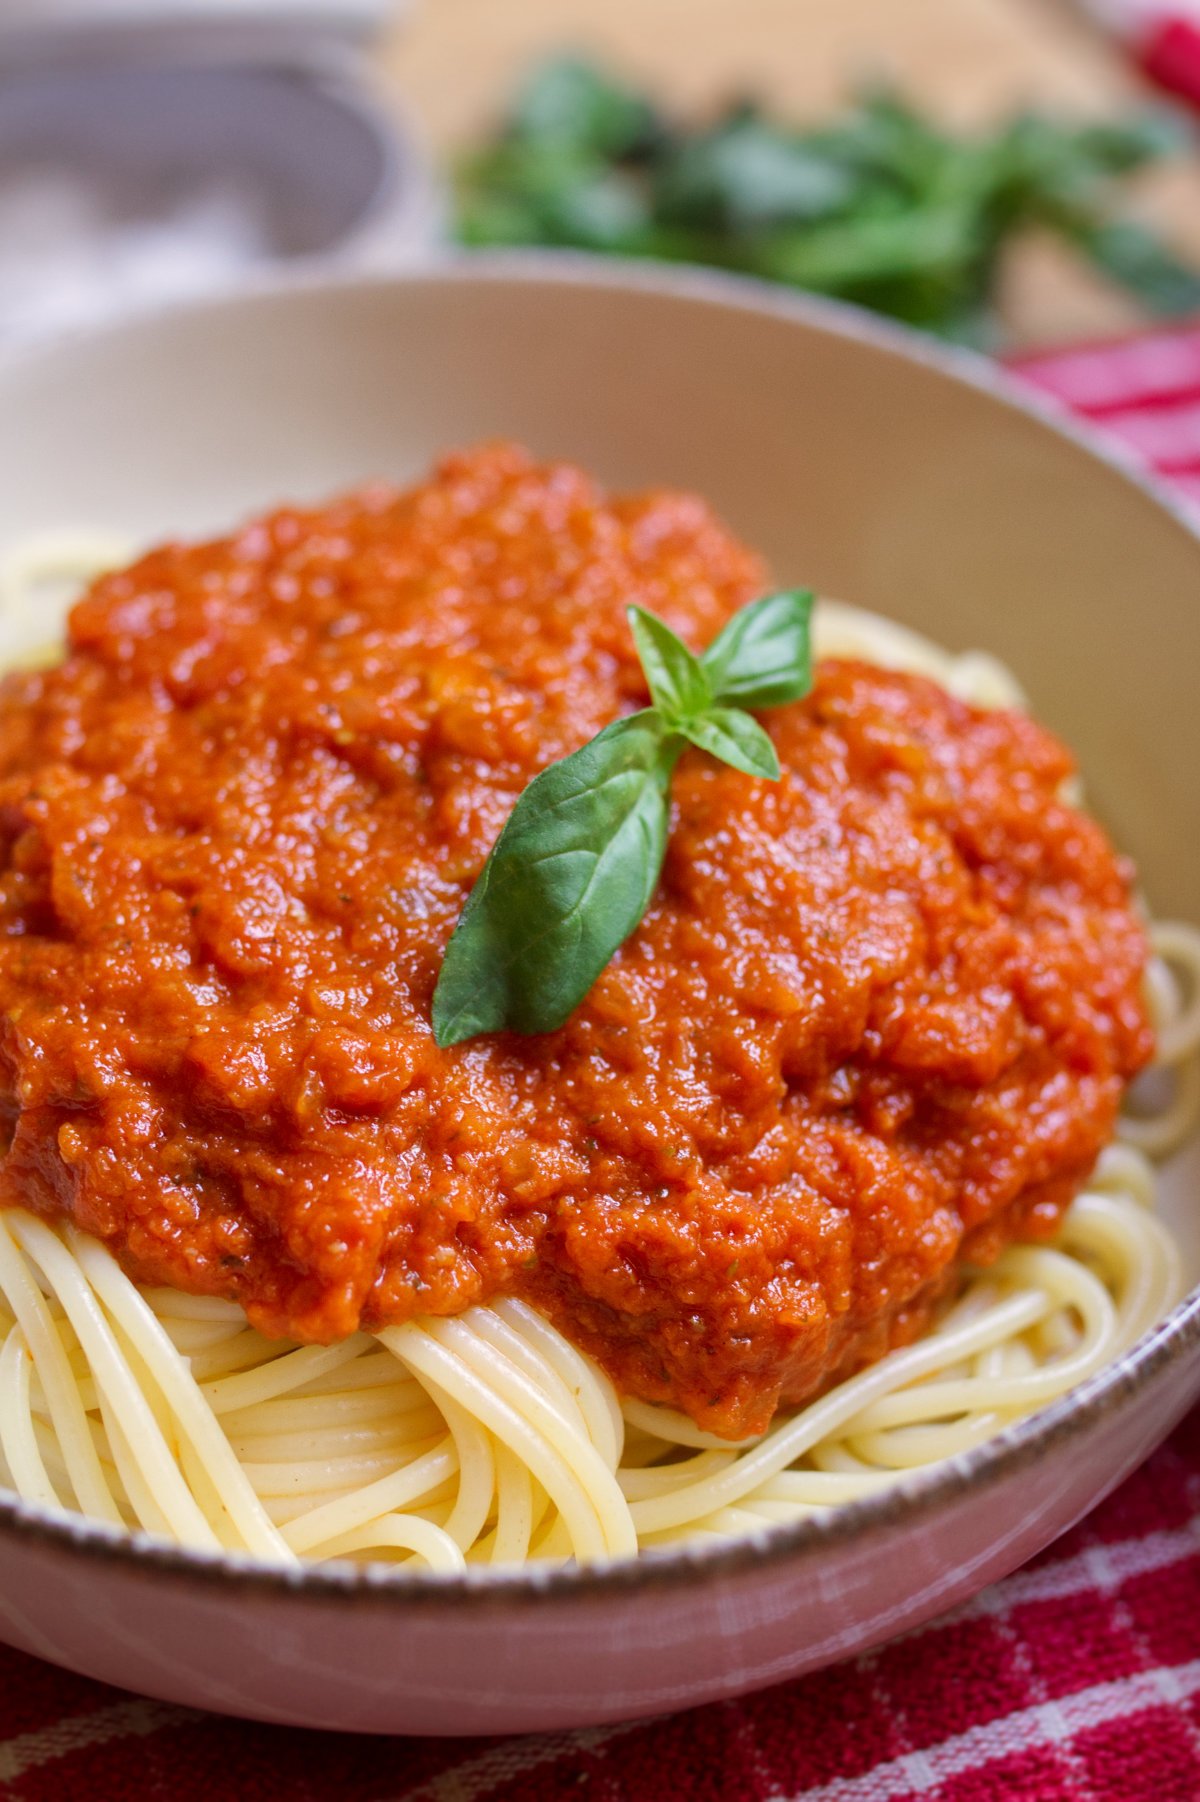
881	207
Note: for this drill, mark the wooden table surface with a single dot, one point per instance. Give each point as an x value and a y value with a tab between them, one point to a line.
455	60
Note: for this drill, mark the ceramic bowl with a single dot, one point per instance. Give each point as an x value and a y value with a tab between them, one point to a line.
137	167
863	462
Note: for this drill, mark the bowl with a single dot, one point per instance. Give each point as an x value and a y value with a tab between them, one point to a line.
134	169
862	461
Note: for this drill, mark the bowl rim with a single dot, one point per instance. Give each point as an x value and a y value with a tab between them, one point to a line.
914	1497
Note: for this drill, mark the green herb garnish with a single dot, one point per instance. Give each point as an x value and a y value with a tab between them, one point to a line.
573	870
881	206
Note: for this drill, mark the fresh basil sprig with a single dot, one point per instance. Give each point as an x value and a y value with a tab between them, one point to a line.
577	861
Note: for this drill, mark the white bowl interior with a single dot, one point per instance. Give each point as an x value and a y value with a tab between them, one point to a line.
859	470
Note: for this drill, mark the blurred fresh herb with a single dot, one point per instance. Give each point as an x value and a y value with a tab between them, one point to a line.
881	206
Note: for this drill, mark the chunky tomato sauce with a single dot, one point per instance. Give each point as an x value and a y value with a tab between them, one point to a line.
878	1016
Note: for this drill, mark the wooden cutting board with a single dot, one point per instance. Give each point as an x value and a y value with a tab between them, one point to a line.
455	60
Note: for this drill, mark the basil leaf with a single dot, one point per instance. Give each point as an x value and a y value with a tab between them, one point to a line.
567	881
1129	254
570	105
763	658
605	213
573	870
745	173
737	738
677	680
1116	146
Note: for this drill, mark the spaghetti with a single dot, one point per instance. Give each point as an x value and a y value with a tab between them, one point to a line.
488	1438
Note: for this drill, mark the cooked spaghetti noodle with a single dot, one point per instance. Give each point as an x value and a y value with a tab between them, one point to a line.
488	1438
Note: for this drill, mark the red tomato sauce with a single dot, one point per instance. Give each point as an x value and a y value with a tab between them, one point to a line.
877	1019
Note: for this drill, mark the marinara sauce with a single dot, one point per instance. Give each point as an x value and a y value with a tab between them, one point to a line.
877	1019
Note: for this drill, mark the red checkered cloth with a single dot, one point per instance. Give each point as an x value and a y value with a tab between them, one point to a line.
1075	1680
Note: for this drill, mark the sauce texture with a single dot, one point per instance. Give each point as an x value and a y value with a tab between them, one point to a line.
877	1019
